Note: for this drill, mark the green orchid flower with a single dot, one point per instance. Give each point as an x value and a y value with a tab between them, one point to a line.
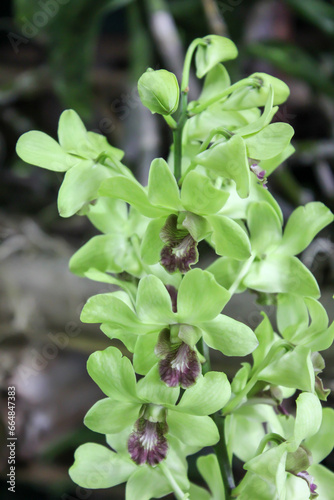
183	322
86	157
180	219
149	408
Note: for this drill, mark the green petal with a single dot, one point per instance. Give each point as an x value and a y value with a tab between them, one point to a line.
308	419
72	134
249	97
229	336
266	117
245	434
100	215
152	390
80	186
217	49
216	80
208	395
321	444
100	145
264	226
255	487
96	467
229	159
208	467
100	252
113	373
303	225
199	196
269	142
191	429
199	493
133	193
37	148
146	483
152	244
270	165
163	190
291	312
229	238
265	335
128	339
200	298
280	273
108	416
107	308
293	369
270	465
226	270
153	302
144	358
324	479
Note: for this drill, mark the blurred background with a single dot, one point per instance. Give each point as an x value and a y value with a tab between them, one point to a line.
87	55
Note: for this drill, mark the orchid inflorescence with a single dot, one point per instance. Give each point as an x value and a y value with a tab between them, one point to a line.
164	402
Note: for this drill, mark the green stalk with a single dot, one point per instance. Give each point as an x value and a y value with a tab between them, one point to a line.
177	136
180	495
222	455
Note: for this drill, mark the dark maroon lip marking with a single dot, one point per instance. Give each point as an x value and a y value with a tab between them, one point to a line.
179	364
147	443
180	250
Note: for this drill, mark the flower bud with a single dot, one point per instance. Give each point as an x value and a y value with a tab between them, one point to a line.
159	91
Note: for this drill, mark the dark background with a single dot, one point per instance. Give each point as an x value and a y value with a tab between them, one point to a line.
87	55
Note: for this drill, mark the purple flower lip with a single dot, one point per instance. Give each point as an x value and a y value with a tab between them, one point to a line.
309	479
260	174
147	443
179	364
180	250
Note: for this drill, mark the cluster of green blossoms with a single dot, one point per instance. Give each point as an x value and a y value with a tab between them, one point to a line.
165	403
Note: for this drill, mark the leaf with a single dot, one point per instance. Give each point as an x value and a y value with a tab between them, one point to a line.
208	467
269	142
96	467
229	336
163	190
108	416
303	225
199	196
208	395
37	148
114	374
80	186
264	226
280	273
215	50
229	238
200	298
229	159
192	429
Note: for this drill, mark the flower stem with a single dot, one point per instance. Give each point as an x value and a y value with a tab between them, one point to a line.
177	136
246	82
180	495
222	456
